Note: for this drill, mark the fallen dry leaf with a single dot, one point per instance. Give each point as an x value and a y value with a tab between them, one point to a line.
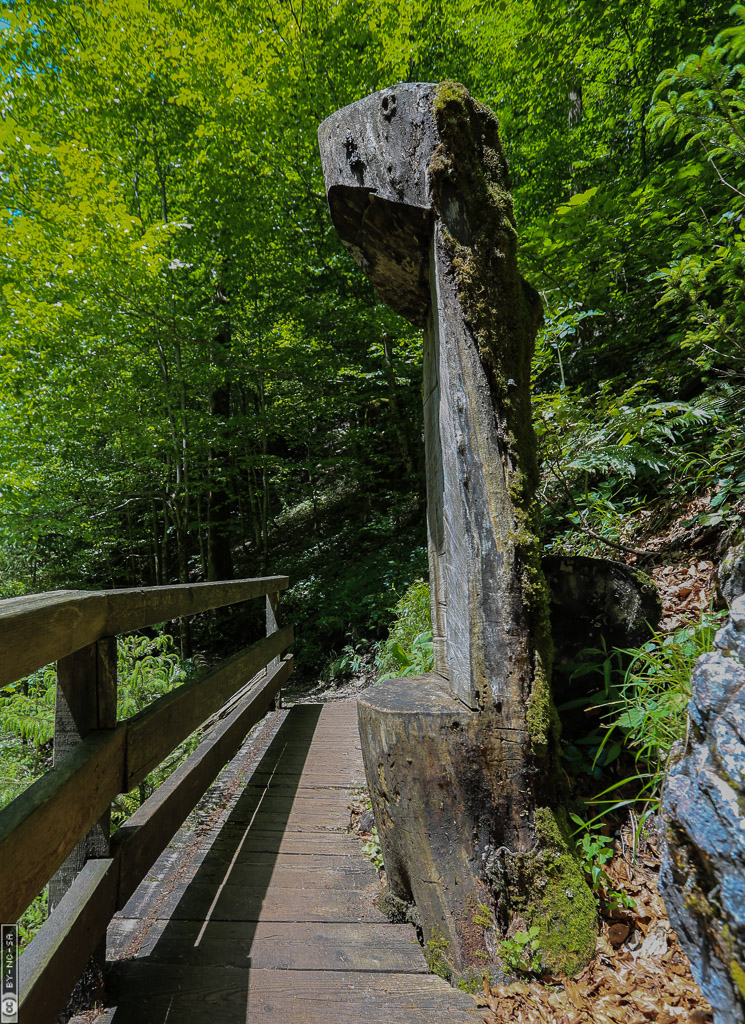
618	933
655	944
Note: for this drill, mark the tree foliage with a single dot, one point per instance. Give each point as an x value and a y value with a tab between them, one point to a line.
196	381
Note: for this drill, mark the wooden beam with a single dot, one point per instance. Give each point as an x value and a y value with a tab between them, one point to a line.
85	701
41	826
155	731
134	609
37	630
53	962
143	837
272	625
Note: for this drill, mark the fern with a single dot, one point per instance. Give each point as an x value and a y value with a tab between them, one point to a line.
27	708
612	435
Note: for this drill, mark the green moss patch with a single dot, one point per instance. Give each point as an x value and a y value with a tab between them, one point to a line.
563	906
738	976
548	888
435	953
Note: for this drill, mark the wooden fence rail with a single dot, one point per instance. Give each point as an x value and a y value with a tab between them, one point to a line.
62	819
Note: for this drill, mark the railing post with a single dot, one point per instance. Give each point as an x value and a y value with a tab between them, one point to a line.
85	701
272	625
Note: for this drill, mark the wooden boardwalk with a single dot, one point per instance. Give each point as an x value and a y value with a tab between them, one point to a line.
269	915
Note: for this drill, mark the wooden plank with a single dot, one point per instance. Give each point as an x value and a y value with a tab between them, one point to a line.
41	826
37	630
308	997
321	843
309	811
136	608
191	995
142	838
42	628
292	778
286	871
52	964
155	731
193	902
303	946
262	841
346	946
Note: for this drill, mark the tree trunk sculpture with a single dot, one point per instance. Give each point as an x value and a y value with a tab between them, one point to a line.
462	764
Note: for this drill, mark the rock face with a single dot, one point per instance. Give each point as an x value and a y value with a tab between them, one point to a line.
463	765
731	574
703	865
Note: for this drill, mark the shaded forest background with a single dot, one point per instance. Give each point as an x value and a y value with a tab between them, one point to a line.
196	382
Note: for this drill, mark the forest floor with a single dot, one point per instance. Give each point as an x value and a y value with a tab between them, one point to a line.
639	974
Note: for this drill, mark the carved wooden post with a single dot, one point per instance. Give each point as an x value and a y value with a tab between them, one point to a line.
462	764
85	701
272	625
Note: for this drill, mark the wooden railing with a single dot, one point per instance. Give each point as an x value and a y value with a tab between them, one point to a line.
63	817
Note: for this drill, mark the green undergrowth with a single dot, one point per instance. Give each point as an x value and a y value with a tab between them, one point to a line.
345	586
436	951
618	766
408	649
520	953
639	705
372	850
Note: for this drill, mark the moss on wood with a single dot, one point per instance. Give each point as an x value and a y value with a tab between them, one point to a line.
560	901
470	188
469	181
435	953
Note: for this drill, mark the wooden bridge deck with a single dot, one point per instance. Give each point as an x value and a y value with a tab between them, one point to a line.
269	914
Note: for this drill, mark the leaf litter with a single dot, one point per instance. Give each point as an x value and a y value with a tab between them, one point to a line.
640	972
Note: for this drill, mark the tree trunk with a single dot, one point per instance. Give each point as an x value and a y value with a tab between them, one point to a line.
219	503
157	546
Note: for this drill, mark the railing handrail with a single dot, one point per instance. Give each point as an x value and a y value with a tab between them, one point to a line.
42	628
50	819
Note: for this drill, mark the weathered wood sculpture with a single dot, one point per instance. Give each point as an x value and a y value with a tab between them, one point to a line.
462	763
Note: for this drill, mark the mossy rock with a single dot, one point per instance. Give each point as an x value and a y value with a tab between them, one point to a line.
731	574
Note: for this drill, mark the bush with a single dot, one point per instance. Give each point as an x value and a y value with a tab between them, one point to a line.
643	708
408	650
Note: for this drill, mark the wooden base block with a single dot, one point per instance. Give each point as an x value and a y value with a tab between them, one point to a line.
436	785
